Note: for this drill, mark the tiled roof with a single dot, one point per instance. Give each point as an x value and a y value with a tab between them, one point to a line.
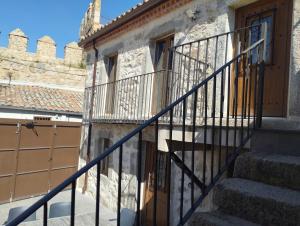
137	6
29	97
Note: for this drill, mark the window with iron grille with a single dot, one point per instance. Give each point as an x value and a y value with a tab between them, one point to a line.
103	144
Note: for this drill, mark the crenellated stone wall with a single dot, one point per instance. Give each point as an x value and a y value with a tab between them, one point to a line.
46	47
73	54
43	67
18	40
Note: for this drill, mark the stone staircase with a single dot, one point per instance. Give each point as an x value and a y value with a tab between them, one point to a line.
265	188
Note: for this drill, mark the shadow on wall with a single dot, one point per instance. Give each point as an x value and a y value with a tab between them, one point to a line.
296	25
295	72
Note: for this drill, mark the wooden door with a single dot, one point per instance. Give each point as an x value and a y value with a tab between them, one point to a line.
111	84
162	65
162	186
277	15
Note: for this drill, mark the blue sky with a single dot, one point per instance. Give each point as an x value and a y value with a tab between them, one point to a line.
58	18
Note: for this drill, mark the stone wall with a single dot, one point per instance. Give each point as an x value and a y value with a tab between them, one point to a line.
42	67
18	41
135	57
136	48
136	53
294	81
46	47
109	184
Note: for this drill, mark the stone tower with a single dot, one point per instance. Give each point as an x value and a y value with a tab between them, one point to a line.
18	40
91	19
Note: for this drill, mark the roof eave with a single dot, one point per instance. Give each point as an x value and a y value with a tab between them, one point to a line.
41	110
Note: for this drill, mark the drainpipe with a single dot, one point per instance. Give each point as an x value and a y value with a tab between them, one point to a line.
88	154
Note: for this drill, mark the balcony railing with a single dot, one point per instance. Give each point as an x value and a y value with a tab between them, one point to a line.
138	98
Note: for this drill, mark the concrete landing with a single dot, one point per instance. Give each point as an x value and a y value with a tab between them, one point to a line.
84	210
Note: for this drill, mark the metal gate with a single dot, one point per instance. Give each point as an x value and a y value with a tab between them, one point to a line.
35	156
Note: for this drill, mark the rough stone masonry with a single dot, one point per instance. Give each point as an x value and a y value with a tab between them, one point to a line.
43	67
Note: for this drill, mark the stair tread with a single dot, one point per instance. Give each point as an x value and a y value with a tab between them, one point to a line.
261	190
217	218
277	158
274	169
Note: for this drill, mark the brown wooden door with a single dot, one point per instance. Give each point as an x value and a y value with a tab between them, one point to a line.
277	14
111	84
162	65
161	209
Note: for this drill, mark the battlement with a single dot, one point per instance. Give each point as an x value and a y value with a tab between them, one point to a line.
42	67
91	19
46	48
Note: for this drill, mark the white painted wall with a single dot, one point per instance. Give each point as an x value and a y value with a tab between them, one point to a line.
22	114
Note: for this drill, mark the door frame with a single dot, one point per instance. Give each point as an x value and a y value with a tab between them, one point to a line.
169	40
151	163
111	84
286	63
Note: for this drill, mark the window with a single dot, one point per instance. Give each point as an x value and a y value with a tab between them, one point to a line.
163	59
161	172
103	144
256	33
41	118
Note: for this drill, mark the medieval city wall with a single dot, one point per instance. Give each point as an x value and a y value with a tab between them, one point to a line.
17	65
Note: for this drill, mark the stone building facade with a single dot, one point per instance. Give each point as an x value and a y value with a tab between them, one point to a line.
40	72
133	38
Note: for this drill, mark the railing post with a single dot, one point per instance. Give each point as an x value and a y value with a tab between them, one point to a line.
119	185
260	93
90	111
73	195
139	178
169	167
264	32
45	214
97	215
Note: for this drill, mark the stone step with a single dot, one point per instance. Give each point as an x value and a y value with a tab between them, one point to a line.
273	169
257	202
282	124
286	142
217	218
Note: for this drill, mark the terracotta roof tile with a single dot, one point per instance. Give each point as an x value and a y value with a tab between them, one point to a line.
40	98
